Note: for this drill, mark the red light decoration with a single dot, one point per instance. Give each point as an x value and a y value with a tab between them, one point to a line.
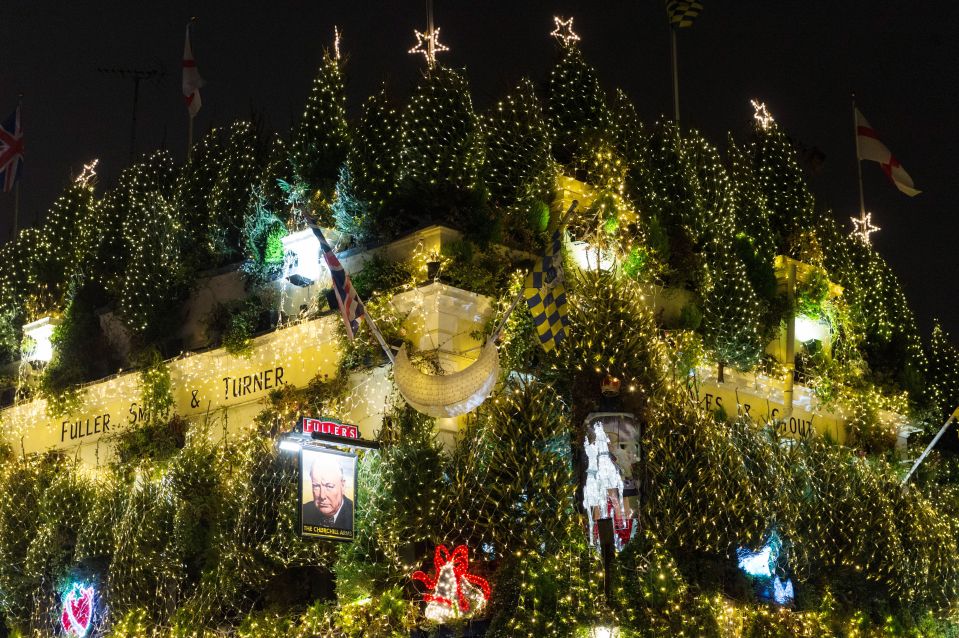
77	610
454	591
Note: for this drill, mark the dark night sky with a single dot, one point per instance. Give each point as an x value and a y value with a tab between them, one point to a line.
801	58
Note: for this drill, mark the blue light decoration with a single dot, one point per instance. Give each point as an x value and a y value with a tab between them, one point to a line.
76	611
761	566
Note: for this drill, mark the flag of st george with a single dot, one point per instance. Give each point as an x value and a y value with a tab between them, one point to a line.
191	78
870	148
11	150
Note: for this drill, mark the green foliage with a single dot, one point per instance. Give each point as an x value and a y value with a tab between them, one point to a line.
481	270
519	169
237	322
732	316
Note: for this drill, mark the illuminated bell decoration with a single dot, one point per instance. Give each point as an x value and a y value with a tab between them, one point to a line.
610	386
76	613
454	592
40	332
447	395
301	264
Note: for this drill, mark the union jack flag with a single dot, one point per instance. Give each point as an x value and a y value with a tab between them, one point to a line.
346	298
11	151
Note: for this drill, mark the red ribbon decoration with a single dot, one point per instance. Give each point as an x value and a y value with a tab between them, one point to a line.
460	559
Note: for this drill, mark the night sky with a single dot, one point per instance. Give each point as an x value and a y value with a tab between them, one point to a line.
802	58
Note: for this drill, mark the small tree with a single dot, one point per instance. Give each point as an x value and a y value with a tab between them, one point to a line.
321	137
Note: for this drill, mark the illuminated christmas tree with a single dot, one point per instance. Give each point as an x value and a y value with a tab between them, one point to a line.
732	315
441	155
192	198
575	106
944	370
368	178
321	137
519	169
780	180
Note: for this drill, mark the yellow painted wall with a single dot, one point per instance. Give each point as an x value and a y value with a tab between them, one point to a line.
228	388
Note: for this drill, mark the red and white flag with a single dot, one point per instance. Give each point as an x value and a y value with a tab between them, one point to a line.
871	148
191	78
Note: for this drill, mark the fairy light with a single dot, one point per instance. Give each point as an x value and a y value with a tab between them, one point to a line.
336	42
564	31
704	478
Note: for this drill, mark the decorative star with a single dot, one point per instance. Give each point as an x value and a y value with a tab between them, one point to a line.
432	46
863	227
762	115
89	172
564	31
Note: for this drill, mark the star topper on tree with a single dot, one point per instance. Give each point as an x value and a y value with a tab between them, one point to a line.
763	117
564	31
863	228
433	46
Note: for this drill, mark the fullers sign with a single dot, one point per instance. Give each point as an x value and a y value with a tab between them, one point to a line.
310	425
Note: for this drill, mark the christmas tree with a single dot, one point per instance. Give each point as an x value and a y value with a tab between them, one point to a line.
321	137
575	106
442	154
519	170
368	178
732	315
944	369
781	182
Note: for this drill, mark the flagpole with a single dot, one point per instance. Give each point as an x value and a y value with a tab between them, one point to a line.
189	138
855	132
16	187
675	77
189	130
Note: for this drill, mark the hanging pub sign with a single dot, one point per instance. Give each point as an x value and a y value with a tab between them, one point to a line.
328	427
328	486
610	492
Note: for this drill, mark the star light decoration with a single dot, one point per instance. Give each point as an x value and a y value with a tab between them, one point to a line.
431	40
863	228
564	31
336	42
762	115
89	172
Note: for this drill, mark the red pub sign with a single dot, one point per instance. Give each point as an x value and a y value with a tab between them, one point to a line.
310	425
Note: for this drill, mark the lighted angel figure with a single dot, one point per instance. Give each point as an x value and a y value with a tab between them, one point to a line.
454	592
604	483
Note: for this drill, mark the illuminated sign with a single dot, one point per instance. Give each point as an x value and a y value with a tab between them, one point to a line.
330	427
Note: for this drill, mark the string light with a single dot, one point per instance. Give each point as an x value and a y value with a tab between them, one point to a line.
336	42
